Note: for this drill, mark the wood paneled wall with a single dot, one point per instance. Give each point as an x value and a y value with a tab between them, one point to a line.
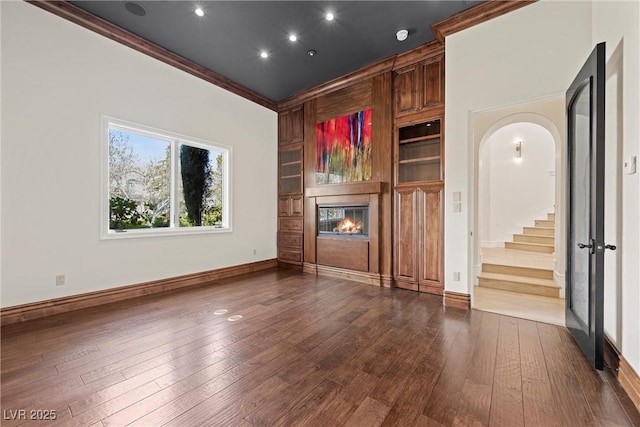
374	93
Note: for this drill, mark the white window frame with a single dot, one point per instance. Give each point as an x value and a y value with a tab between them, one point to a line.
176	139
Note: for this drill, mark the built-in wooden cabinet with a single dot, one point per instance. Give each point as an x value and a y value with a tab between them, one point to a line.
291	126
419	86
290	185
418	255
418	237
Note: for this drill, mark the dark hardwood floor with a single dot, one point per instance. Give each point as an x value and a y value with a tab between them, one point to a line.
307	351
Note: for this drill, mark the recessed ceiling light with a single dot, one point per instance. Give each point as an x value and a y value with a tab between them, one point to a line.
292	37
199	12
264	54
135	8
311	52
402	35
329	16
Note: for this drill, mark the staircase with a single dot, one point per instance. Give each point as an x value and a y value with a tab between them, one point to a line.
525	265
536	239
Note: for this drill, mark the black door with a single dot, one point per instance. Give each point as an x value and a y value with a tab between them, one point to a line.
585	214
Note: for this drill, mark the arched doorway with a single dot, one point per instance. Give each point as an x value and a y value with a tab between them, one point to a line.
518	188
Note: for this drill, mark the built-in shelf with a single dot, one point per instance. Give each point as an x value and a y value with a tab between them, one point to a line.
431	159
419	138
290	170
419	148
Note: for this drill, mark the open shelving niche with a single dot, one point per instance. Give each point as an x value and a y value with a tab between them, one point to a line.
419	152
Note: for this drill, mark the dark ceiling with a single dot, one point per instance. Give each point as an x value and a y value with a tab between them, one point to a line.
229	37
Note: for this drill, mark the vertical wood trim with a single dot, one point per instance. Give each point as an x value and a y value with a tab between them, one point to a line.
630	381
73	13
457	300
383	113
309	250
374	233
35	310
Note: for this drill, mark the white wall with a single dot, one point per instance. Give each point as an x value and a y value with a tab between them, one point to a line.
517	191
508	60
617	24
57	81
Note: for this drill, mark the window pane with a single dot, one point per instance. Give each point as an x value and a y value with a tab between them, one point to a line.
200	186
139	181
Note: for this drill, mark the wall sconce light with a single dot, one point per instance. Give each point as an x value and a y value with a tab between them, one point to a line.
519	150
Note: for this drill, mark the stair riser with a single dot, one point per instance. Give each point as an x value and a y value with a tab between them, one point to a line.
539	231
545	240
530	248
523	288
518	271
545	223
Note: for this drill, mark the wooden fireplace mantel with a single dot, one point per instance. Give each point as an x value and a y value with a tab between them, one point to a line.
352	188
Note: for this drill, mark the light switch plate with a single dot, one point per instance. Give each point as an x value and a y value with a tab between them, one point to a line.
457	196
629	165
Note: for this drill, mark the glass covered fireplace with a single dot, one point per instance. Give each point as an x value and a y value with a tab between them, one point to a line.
346	221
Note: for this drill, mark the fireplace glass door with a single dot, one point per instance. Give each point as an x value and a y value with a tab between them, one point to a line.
347	221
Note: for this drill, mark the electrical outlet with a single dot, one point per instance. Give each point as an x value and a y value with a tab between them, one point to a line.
255	251
60	279
456	276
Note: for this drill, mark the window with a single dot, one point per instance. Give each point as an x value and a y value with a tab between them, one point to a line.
161	183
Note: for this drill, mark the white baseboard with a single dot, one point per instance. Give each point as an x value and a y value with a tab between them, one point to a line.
559	279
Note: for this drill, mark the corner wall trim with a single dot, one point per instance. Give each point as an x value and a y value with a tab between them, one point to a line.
457	300
75	14
630	381
35	310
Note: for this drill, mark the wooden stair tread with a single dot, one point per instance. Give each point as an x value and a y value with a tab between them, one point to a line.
519	279
531	247
532	244
532	235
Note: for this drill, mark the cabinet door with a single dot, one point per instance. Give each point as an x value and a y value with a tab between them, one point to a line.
290	170
296	124
291	126
284	127
296	206
406	89
430	251
432	82
284	206
406	239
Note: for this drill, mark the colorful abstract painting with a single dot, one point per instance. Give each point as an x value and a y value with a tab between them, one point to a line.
343	149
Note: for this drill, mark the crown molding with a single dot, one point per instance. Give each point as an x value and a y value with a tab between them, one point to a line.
475	15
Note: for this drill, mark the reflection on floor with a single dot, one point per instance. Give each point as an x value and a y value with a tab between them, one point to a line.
522	305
